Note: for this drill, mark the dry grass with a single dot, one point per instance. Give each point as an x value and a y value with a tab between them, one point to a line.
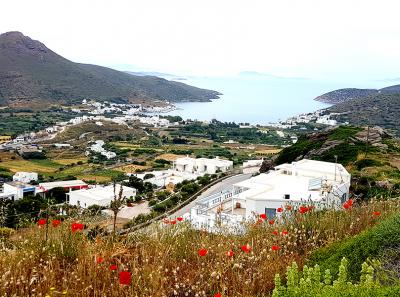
164	259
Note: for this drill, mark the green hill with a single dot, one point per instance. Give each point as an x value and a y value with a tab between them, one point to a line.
31	75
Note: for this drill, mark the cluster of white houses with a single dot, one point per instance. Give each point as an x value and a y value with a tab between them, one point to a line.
322	184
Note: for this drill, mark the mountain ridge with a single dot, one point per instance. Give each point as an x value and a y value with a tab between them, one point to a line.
32	75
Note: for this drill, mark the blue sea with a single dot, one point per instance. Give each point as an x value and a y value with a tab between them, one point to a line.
258	99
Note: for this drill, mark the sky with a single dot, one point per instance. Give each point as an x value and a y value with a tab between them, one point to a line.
318	39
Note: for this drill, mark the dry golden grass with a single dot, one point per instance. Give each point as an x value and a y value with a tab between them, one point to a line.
164	259
25	165
169	157
131	168
70	161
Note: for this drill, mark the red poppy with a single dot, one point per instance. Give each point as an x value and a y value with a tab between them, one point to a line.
42	222
259	221
55	223
303	209
284	232
246	248
346	206
125	278
76	227
203	252
377	213
279	209
217	295
350	202
229	253
113	267
275	232
263	216
289	207
99	260
275	248
173	222
271	222
166	221
180	219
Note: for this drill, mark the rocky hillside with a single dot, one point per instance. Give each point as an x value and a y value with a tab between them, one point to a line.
31	75
382	110
349	94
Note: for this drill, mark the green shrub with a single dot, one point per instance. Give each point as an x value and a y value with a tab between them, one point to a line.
370	243
311	282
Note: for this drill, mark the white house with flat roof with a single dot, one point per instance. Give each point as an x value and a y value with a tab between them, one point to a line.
25	177
322	184
18	189
66	184
202	166
98	195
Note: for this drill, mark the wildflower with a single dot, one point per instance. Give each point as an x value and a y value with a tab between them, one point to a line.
125	278
279	209
259	221
377	213
346	206
113	267
99	260
289	207
42	222
173	222
285	232
166	221
179	219
275	232
271	222
217	295
246	248
76	227
229	253
303	209
55	223
275	248
203	252
263	216
350	202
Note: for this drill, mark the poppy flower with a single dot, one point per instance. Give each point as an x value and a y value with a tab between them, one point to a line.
246	248
279	209
289	207
166	221
42	222
303	209
113	267
377	213
217	295
125	278
263	216
259	221
275	248
271	222
99	260
229	253
76	227
275	232
346	206
173	222
350	202
203	252
55	223
284	232
180	219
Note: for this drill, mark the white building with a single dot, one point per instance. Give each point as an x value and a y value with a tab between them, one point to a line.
98	148
98	196
322	184
66	184
25	177
202	166
18	189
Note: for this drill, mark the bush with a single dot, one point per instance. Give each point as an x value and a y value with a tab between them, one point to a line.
370	243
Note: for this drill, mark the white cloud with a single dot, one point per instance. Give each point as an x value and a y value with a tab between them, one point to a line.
332	39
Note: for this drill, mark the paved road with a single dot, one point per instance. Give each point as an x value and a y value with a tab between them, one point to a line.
226	183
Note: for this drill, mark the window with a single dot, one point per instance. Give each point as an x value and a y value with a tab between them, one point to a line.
287	196
270	212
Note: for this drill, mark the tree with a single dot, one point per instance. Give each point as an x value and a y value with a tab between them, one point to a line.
116	204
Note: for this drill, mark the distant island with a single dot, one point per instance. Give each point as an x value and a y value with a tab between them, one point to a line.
33	76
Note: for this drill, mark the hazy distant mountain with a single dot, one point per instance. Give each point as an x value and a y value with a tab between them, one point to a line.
344	95
157	74
31	75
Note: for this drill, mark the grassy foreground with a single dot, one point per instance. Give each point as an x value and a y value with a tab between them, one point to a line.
173	259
